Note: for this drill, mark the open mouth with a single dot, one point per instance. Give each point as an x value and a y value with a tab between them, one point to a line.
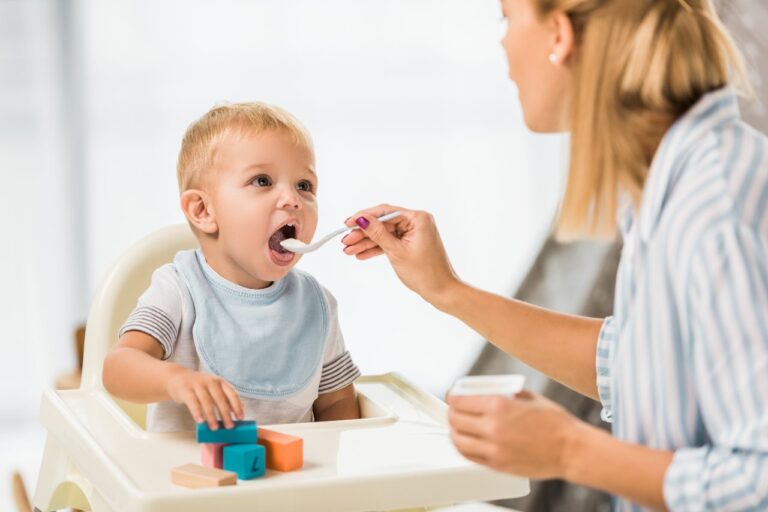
283	233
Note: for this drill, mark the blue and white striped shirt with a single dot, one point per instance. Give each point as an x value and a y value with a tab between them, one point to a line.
682	364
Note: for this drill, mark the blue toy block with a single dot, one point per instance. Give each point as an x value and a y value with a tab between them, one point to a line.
242	432
247	460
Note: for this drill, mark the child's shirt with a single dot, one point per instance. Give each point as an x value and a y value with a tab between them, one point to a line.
280	347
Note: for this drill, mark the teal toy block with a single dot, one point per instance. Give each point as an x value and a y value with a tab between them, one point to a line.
242	432
247	460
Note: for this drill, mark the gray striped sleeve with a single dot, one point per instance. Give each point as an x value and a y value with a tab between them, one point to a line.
338	374
155	322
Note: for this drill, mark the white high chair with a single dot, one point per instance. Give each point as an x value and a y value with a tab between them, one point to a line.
99	457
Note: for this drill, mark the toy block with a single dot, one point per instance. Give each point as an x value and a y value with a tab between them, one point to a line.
211	454
284	452
194	476
242	432
247	460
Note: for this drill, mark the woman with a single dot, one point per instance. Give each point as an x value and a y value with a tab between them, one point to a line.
644	87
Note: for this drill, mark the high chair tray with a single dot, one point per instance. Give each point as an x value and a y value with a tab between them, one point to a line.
398	456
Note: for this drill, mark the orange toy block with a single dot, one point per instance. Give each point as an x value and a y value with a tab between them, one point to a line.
211	454
284	452
192	475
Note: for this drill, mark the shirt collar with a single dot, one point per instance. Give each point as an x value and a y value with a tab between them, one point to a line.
713	109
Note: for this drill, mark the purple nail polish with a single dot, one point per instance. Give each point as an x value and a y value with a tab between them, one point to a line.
362	222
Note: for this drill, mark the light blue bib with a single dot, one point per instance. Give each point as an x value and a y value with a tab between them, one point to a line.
267	343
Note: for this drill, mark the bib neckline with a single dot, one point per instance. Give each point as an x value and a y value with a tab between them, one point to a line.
266	295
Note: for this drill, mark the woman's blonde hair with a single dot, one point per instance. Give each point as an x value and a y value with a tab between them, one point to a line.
198	148
638	66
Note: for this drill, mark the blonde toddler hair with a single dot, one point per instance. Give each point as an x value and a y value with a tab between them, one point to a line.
198	148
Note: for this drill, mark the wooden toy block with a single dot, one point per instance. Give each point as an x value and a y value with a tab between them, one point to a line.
211	454
242	432
284	452
247	460
194	476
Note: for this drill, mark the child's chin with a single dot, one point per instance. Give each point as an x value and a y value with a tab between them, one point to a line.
271	274
279	273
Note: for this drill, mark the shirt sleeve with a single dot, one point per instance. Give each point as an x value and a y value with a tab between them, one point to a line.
605	342
727	296
339	370
159	310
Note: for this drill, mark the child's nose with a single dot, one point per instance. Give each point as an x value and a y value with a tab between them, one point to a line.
289	199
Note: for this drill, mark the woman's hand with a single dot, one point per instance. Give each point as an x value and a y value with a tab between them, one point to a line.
412	244
527	435
205	395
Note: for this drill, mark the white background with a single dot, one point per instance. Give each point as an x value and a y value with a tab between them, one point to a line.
408	102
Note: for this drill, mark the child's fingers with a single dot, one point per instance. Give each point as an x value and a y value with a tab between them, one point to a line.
206	402
193	404
234	399
222	404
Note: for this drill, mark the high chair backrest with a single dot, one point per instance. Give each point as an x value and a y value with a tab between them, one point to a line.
117	296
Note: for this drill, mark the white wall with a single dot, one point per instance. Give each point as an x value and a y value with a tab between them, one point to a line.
41	283
408	103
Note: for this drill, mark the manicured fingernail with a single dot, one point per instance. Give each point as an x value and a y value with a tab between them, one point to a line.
362	222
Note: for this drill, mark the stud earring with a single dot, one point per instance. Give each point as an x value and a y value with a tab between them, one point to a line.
553	58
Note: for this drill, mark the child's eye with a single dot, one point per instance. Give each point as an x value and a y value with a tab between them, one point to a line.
305	186
261	181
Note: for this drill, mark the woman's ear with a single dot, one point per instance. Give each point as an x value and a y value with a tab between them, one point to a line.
563	38
198	209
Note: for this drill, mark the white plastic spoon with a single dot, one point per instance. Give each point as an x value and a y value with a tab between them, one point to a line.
300	247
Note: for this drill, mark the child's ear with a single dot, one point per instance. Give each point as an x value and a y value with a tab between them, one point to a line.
198	209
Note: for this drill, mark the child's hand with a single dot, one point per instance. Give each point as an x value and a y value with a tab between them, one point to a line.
204	395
